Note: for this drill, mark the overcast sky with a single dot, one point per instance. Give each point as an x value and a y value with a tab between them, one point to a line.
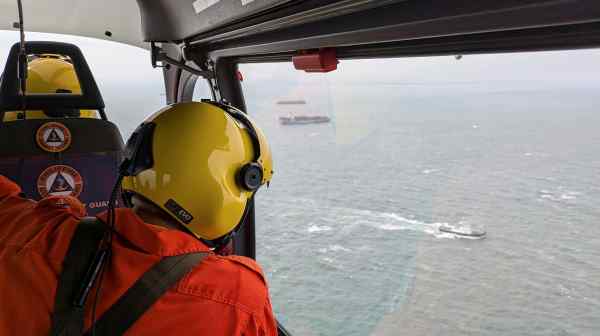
109	60
132	89
113	61
573	65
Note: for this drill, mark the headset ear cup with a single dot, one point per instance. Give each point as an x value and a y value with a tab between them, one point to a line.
250	176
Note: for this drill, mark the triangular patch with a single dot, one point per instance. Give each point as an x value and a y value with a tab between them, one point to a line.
60	184
53	137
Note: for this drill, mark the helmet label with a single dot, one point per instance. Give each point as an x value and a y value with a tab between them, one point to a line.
59	180
53	137
178	211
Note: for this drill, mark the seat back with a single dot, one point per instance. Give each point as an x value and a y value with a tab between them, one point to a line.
47	145
86	168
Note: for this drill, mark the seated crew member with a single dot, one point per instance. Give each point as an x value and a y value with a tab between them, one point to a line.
51	74
189	183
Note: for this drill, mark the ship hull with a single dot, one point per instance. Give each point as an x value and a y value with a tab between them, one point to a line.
303	120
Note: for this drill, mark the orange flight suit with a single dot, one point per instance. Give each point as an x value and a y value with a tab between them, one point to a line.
221	296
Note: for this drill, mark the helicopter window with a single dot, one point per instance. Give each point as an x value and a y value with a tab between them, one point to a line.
432	195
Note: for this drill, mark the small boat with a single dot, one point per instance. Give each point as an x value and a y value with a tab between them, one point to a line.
303	120
463	232
292	102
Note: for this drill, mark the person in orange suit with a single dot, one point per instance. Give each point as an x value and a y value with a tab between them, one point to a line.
188	177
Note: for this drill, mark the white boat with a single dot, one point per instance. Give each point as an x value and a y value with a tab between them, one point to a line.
464	232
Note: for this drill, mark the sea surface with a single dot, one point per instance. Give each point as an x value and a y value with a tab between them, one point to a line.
348	232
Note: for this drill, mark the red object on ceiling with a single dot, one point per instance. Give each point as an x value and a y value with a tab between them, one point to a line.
324	60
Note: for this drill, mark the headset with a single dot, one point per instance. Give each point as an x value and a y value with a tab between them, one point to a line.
138	150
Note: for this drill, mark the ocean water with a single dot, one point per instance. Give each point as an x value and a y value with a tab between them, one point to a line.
348	232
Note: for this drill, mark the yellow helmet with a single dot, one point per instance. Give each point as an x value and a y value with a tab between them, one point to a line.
50	74
201	162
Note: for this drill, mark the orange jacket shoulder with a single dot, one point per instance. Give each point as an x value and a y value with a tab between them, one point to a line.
231	280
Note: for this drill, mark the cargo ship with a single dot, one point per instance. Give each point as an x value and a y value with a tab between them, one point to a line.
296	114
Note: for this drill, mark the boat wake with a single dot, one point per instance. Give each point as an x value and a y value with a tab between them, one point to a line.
347	219
441	230
558	195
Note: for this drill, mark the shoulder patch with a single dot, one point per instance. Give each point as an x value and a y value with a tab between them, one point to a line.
53	137
60	180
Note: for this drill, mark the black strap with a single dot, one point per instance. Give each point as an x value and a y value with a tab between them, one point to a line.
145	292
67	318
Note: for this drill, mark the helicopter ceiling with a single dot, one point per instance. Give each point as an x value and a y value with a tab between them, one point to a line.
120	21
272	27
113	20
